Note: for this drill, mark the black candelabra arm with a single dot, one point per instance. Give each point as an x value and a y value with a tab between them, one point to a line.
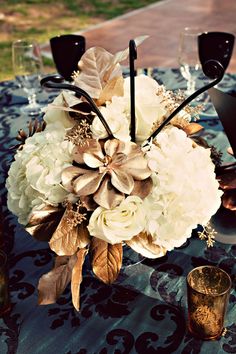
213	69
132	58
56	81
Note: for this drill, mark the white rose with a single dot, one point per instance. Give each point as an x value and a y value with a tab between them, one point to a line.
115	116
118	224
35	175
185	191
149	107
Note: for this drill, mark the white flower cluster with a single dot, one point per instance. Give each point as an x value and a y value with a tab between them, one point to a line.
185	191
35	175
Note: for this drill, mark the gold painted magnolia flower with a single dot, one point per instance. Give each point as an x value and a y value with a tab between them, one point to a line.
108	171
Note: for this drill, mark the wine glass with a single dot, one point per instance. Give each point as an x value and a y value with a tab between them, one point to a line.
188	57
215	46
27	68
67	49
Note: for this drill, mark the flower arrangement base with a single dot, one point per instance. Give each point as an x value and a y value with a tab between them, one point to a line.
94	176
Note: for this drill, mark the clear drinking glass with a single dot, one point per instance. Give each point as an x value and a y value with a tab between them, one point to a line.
27	68
188	57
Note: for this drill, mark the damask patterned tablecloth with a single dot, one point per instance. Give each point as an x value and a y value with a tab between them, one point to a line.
144	311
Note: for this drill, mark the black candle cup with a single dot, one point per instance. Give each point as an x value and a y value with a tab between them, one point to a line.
66	51
215	46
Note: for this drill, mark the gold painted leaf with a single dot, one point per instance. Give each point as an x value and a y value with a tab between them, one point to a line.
122	55
43	223
67	239
98	67
77	278
52	284
114	87
84	236
193	128
143	244
106	259
61	260
93	67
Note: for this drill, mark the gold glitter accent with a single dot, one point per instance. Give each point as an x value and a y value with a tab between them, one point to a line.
206	319
79	133
208	235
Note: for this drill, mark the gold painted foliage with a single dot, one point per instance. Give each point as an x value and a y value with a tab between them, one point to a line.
77	277
106	259
66	269
52	284
66	239
100	73
143	244
43	223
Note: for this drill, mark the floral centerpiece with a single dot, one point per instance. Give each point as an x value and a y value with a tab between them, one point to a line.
81	184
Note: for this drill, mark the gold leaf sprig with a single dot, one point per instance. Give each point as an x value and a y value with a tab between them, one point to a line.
208	235
80	133
70	234
74	215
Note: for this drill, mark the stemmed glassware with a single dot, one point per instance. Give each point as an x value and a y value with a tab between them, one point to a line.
67	49
27	68
188	57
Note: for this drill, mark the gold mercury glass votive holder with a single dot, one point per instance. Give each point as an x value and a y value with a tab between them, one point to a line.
208	289
4	290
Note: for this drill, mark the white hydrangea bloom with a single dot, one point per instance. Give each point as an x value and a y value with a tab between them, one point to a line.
35	175
185	191
55	113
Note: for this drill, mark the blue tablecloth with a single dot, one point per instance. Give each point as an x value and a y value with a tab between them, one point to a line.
144	311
